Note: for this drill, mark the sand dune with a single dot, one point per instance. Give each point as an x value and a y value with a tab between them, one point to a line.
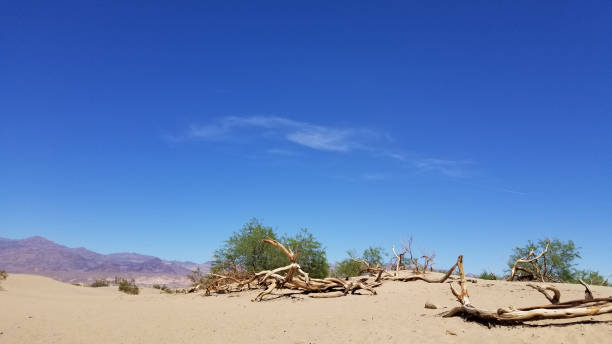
36	309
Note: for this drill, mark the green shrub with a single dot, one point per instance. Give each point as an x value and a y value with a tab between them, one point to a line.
558	264
245	252
164	288
3	276
100	283
347	268
487	276
351	268
590	277
311	254
373	255
128	287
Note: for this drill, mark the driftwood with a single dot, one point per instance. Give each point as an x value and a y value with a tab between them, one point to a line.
429	262
406	254
556	310
588	295
399	257
531	259
423	278
554	299
293	277
227	284
377	271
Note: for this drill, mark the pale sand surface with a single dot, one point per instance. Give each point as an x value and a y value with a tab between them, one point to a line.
37	309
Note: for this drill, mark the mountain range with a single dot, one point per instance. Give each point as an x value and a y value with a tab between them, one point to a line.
41	256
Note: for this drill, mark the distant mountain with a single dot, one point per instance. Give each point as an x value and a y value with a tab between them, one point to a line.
40	256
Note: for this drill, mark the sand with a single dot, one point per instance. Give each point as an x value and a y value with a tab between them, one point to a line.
36	309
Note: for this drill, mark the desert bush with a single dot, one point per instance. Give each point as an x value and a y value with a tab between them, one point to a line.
245	252
128	286
311	254
487	275
350	268
347	268
100	283
590	277
167	290
558	264
3	276
164	288
373	255
197	277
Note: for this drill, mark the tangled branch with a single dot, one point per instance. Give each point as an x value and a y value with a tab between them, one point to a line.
589	306
293	277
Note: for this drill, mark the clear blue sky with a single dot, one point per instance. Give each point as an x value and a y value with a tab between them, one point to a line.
161	128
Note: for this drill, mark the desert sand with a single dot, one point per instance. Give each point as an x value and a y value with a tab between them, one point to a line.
36	309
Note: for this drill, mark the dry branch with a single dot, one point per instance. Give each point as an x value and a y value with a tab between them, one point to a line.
377	271
423	278
588	295
532	260
428	260
399	257
556	310
553	299
293	277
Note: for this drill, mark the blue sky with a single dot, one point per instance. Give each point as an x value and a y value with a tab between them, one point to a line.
161	128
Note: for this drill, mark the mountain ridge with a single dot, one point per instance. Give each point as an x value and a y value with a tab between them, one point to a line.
41	256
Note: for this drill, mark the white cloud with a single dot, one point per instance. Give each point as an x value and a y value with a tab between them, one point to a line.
321	138
450	168
207	131
302	133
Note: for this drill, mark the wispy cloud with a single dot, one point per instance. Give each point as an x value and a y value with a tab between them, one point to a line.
305	134
284	132
449	168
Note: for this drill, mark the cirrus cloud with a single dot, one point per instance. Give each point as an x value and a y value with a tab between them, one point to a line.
305	134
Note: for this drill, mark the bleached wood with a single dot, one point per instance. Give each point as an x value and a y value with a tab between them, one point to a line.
296	278
556	293
588	295
532	261
555	310
423	278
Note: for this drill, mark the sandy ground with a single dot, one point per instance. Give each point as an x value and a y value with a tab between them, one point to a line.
36	309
